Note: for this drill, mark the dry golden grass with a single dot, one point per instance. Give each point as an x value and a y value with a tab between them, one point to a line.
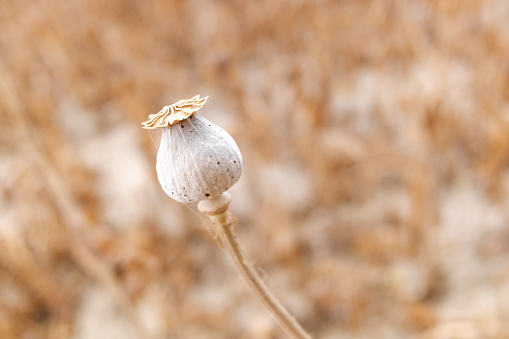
375	192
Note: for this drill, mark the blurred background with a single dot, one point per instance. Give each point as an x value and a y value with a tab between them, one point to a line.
375	188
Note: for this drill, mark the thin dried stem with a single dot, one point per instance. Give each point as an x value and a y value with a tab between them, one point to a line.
223	224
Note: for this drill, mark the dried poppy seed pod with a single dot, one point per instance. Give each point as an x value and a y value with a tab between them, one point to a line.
196	160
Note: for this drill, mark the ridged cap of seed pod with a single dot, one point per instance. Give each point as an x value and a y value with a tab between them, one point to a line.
197	160
179	111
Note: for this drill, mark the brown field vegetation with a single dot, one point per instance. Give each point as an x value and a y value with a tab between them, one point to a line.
375	192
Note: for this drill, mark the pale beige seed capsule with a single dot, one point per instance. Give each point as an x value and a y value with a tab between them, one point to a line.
196	160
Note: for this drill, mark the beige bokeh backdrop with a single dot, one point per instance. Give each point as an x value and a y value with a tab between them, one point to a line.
375	186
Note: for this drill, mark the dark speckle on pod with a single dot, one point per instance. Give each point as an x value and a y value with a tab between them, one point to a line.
202	162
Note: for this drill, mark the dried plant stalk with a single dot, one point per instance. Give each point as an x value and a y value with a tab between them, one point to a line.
218	211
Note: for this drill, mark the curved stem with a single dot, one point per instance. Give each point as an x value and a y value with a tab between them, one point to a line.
226	234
